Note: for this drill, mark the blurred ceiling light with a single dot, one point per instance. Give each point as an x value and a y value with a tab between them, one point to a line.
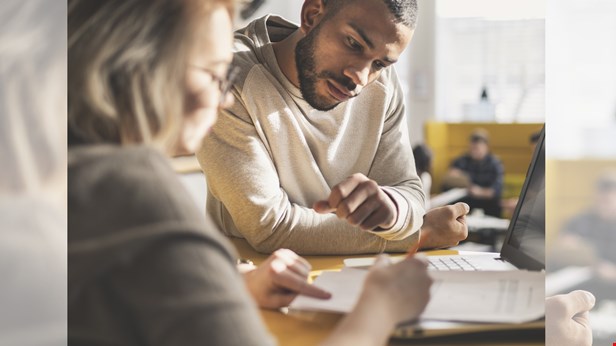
491	9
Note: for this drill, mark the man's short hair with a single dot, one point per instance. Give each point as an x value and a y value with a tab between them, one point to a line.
479	135
404	11
534	137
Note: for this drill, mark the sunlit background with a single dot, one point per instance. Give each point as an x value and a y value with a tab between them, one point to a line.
581	151
537	61
533	59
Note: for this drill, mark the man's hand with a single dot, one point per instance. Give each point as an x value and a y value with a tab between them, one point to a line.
481	192
278	280
566	319
361	202
606	271
444	226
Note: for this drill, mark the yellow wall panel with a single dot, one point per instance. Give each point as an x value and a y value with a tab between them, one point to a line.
570	188
510	142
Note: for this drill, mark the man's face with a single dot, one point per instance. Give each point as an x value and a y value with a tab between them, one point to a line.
478	149
605	204
345	52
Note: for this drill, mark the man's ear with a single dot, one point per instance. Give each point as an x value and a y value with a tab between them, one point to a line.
312	12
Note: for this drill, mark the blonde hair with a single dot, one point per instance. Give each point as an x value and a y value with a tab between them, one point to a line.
127	63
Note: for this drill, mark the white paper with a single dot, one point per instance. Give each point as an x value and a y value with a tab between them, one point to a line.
483	296
447	197
486	296
345	287
366	262
486	222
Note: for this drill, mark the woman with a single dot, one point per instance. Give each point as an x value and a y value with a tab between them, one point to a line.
146	78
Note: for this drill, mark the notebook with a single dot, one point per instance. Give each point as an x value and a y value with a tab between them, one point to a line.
479	296
524	245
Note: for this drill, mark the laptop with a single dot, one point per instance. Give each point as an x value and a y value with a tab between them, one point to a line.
524	244
523	249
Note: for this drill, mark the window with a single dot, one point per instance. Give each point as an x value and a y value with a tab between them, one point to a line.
581	79
494	47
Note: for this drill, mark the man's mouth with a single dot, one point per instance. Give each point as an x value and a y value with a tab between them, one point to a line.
338	92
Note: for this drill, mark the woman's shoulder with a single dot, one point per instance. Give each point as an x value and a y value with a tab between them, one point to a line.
115	189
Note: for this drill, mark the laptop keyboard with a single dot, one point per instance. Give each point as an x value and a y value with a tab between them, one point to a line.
450	263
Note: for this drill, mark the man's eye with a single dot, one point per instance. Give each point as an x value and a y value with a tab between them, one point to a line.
354	44
378	65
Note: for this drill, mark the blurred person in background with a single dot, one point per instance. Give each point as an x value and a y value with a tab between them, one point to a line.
591	235
480	172
423	164
146	80
33	173
508	205
533	139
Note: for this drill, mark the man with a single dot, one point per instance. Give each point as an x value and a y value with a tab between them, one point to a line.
508	205
591	235
482	172
533	139
314	154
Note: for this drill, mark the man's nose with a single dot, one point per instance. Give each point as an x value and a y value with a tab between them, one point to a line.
359	74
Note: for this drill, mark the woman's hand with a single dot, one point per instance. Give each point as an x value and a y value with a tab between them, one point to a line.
392	293
403	288
278	280
566	319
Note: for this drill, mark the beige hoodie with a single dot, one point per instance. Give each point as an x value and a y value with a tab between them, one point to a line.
271	156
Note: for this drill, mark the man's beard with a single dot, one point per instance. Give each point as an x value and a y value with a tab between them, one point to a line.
308	75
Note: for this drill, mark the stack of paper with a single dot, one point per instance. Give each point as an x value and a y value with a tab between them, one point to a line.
480	296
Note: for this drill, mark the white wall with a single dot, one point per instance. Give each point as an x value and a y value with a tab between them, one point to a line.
289	9
581	79
417	68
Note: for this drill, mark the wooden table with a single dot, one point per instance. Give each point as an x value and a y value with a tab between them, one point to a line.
309	328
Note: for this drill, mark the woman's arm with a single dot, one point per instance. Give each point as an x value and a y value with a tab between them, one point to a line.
391	294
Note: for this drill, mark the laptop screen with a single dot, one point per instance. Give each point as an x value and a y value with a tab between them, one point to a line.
524	245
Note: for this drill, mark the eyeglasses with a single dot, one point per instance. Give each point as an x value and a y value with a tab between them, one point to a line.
224	83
